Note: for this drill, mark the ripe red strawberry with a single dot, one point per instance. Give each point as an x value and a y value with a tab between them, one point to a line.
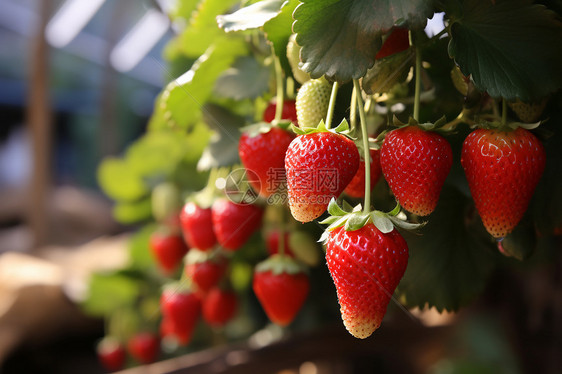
264	154
144	347
503	167
205	269
319	166
366	266
235	223
415	163
197	226
397	41
219	306
111	354
272	243
356	188
289	112
180	310
281	286
168	249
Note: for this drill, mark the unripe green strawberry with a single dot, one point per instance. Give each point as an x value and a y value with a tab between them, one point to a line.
166	202
415	163
293	55
366	266
319	166
502	167
312	102
527	112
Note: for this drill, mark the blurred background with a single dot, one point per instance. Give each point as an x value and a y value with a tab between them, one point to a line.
78	81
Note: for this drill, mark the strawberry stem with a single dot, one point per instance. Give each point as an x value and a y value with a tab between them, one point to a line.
366	155
332	105
417	89
353	111
280	93
504	112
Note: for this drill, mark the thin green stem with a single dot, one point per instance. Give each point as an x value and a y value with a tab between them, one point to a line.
280	89
353	110
332	105
367	154
417	90
504	112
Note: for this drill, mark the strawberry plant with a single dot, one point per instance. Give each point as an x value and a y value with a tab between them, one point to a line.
266	132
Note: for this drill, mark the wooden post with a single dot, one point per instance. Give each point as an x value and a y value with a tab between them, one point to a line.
40	129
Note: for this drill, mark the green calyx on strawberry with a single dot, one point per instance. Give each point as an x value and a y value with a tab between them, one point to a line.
415	163
281	285
262	149
319	164
367	258
503	166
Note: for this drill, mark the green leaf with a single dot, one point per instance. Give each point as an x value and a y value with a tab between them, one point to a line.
278	30
382	222
247	78
202	30
340	39
108	292
222	149
250	17
450	258
128	212
511	48
156	152
139	251
181	101
119	181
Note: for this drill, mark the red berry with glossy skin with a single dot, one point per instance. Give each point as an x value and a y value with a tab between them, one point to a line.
415	163
181	310
264	154
168	249
272	243
144	347
235	223
397	41
197	226
281	290
502	168
356	188
289	112
219	306
366	266
111	354
205	269
319	166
